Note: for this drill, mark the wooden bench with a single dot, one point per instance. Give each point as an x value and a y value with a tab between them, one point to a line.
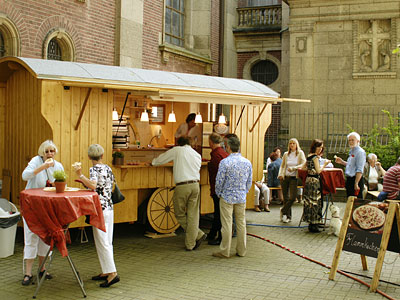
374	194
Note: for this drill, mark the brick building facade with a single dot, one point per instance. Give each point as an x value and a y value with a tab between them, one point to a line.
89	25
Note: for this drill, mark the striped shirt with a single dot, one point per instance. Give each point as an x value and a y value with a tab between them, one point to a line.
391	182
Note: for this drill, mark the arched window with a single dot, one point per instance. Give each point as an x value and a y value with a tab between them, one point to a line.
2	50
54	50
265	71
174	22
59	46
9	38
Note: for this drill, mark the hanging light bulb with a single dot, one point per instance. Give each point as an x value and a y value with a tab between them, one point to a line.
171	116
222	119
144	116
198	118
115	114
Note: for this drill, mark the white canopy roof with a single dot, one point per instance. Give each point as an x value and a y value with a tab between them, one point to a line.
160	85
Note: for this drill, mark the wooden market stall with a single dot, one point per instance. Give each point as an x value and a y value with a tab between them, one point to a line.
72	104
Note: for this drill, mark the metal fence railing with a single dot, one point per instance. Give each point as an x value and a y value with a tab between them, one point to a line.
332	127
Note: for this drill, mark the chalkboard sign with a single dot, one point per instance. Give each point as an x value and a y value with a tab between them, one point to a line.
394	243
364	232
369	229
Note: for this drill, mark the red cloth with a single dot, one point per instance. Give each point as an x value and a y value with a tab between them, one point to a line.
48	213
331	179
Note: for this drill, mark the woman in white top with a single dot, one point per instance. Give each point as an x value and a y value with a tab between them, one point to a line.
39	174
292	160
373	174
101	180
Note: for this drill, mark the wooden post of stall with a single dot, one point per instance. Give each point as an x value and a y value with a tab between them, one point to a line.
342	234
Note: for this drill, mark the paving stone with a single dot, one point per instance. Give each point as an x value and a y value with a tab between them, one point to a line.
154	269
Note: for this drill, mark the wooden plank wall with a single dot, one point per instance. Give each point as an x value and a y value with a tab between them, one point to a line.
25	127
62	107
251	143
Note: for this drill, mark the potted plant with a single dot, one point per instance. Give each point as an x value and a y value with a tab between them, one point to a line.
118	158
60	180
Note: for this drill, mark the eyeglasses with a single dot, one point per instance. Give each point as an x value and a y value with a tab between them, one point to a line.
51	151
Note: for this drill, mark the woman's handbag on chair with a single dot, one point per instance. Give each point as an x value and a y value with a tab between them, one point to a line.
116	195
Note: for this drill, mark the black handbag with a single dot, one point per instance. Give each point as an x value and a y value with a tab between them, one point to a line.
116	195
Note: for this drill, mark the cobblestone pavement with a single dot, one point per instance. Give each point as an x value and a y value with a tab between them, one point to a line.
161	269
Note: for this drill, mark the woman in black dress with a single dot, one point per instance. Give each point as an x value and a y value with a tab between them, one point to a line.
312	189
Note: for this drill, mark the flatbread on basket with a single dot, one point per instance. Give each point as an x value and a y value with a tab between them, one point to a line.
369	217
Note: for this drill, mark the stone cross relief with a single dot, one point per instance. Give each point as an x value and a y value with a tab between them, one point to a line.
374	48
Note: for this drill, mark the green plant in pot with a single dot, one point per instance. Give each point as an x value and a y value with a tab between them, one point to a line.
60	178
118	158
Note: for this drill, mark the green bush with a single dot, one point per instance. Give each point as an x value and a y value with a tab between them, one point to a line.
60	176
117	154
387	154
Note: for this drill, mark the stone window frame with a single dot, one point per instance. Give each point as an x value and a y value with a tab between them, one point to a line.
276	85
65	41
186	50
11	37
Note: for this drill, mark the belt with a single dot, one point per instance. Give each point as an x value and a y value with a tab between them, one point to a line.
187	182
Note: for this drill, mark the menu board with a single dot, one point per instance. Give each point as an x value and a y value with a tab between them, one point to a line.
364	233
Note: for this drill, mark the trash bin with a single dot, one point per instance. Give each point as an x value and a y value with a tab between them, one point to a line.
9	217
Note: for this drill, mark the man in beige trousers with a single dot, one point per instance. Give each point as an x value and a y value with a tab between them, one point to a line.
233	182
186	198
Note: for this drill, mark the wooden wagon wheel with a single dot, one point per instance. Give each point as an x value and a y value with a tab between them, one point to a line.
160	211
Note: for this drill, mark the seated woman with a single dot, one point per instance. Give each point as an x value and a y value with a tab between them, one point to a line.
273	170
260	188
373	175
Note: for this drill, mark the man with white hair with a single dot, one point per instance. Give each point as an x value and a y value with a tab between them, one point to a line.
354	166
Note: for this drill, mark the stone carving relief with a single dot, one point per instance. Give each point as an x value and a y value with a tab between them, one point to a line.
301	44
372	42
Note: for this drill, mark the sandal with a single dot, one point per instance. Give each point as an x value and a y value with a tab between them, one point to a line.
107	283
48	276
100	277
28	281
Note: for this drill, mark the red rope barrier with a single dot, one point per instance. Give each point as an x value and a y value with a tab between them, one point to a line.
320	263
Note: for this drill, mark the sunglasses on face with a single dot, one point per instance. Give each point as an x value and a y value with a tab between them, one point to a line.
50	151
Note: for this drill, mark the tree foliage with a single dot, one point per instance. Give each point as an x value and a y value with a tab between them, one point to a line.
388	152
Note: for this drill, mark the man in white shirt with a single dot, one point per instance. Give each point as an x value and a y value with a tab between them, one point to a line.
186	198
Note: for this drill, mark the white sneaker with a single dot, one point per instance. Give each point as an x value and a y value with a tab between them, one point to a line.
289	220
285	219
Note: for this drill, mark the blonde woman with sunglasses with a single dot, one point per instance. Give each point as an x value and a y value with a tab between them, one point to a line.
38	174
